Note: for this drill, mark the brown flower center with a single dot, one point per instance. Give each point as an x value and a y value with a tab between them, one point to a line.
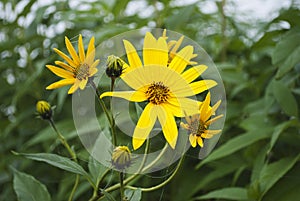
157	93
83	71
197	128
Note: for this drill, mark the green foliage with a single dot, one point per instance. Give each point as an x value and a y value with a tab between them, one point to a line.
257	157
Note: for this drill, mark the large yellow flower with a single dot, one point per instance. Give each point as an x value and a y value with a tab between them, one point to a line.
165	87
78	69
198	124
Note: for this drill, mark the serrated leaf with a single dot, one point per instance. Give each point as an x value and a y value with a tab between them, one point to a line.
285	98
57	161
274	171
133	195
236	144
233	193
28	188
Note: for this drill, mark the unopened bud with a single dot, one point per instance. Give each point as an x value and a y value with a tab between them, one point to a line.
121	157
44	109
114	66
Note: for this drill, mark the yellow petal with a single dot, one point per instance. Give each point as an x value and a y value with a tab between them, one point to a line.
168	124
144	126
200	141
209	133
65	57
193	73
213	119
193	140
60	72
132	56
91	47
201	86
205	112
81	49
181	59
83	83
65	66
176	47
188	106
185	126
137	78
215	107
155	51
72	51
90	58
135	96
61	83
93	71
74	87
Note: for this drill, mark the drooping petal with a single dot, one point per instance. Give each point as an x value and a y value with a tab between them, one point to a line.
65	57
155	52
200	141
72	51
209	133
185	126
93	71
193	73
83	83
193	140
65	66
144	126
81	49
136	96
201	86
132	56
74	87
181	59
60	72
168	124
61	83
213	119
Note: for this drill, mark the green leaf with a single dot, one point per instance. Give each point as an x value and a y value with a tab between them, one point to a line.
107	195
96	169
28	188
133	195
274	171
287	51
57	161
285	98
233	193
236	144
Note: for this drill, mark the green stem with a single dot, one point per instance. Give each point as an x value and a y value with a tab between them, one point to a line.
109	117
122	185
72	154
161	184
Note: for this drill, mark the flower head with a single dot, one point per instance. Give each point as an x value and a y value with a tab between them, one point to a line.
121	157
78	69
114	66
165	86
44	109
198	124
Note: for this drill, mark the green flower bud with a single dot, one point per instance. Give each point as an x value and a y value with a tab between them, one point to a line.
114	66
121	157
44	109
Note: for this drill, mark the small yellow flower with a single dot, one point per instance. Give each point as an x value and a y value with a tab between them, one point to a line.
114	66
121	157
44	109
166	87
78	69
198	124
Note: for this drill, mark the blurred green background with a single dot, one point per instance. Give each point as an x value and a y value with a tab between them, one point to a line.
258	56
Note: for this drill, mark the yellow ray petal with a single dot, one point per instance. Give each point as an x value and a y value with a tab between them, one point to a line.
90	58
65	66
181	59
213	119
137	78
155	52
215	107
192	73
201	86
132	56
72	51
65	57
174	106
209	133
193	140
81	49
74	87
205	111
144	126
135	96
91	47
61	83
60	72
176	47
200	141
93	71
185	126
168	125
83	83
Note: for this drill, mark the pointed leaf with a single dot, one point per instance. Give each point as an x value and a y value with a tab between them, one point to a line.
233	193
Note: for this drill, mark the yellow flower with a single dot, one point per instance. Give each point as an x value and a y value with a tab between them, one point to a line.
198	124
121	157
44	109
78	69
165	87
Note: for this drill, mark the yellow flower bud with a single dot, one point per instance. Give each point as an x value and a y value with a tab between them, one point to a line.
121	157
44	109
114	66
